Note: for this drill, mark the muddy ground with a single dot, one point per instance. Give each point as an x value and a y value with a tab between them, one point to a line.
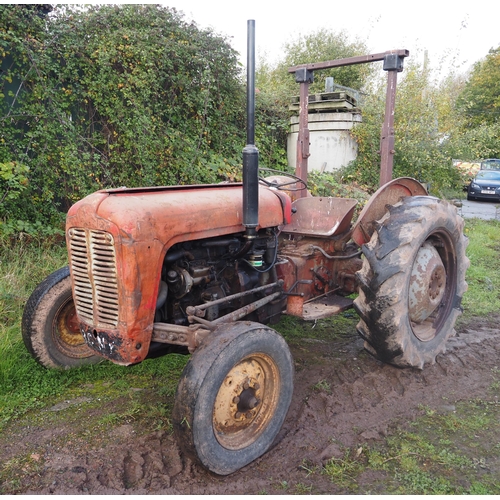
364	400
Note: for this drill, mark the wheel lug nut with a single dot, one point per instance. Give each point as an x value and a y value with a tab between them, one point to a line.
246	385
256	386
237	415
248	414
236	400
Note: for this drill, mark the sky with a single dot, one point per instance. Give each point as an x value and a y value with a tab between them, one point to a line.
457	32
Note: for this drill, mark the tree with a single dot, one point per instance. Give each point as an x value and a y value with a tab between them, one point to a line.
322	45
421	123
480	99
475	143
476	113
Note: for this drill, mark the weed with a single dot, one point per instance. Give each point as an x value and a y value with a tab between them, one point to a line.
481	489
307	466
128	415
343	471
303	489
322	385
417	482
428	411
283	485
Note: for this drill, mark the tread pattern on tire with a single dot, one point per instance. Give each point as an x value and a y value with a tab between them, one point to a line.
382	303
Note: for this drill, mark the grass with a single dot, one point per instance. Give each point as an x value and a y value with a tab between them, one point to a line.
435	454
483	275
23	265
343	471
335	326
443	453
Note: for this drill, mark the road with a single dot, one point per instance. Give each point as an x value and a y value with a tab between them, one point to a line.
487	210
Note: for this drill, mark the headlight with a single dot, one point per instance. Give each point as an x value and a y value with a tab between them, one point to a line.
473	185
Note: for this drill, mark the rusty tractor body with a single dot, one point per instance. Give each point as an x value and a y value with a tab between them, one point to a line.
204	269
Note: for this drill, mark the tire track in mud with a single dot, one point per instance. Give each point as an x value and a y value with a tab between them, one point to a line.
369	400
362	400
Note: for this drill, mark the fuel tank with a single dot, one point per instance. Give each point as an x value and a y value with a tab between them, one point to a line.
117	240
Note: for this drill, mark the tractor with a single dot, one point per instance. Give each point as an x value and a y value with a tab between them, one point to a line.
205	269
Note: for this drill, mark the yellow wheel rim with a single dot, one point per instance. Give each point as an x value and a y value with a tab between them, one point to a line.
246	401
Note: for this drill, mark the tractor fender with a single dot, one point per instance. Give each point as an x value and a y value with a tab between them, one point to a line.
388	194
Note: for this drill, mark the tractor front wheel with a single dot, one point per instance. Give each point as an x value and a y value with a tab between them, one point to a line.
233	396
50	327
412	281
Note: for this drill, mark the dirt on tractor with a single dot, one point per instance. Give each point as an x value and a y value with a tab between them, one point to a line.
345	402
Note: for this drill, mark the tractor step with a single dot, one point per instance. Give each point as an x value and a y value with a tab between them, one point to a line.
322	307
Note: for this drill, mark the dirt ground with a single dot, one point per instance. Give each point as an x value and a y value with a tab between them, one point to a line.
365	398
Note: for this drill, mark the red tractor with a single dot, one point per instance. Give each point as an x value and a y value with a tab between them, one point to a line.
204	269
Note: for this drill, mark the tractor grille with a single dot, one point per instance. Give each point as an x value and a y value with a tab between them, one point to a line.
93	265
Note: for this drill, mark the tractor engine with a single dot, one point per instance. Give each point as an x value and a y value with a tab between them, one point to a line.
205	271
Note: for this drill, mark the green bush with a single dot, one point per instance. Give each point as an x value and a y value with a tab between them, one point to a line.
110	96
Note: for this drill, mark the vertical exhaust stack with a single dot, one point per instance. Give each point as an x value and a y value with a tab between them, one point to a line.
250	152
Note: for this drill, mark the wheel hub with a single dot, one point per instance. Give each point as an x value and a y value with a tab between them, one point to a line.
66	333
427	283
246	400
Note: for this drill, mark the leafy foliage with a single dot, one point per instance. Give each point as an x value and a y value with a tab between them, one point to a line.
112	96
480	99
475	143
322	45
420	106
13	180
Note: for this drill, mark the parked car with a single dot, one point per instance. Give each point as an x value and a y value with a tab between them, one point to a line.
490	164
486	185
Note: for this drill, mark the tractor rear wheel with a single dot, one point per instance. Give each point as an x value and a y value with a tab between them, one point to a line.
412	281
50	328
233	396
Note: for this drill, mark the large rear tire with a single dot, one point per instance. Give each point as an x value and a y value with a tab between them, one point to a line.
233	396
50	328
412	281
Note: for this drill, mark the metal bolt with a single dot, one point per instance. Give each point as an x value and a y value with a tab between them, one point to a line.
246	385
256	386
248	414
236	400
237	414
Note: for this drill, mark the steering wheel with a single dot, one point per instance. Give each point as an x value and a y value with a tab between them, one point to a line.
274	181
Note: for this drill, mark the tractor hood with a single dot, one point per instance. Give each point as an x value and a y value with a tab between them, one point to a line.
178	213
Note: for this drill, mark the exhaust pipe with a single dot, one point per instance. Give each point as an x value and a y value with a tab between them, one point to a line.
250	152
